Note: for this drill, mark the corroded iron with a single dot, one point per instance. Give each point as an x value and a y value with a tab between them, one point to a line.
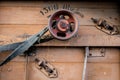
63	24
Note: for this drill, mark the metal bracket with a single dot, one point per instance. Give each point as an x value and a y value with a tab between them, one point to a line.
105	26
46	68
97	52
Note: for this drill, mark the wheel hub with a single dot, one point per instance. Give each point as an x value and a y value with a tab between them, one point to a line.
63	25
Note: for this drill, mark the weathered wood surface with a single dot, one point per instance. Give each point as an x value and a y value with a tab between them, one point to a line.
68	62
20	20
32	15
65	54
104	71
86	36
13	71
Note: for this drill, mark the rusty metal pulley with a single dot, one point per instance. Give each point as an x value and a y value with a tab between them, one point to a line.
63	24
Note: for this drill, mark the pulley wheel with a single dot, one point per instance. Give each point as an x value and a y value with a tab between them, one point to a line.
63	24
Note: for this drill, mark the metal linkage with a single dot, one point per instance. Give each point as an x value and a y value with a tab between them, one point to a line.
24	46
13	46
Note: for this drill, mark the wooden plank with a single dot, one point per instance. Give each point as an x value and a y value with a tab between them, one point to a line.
66	54
67	61
75	4
107	71
103	71
31	15
112	55
93	40
66	71
60	55
86	36
13	71
51	54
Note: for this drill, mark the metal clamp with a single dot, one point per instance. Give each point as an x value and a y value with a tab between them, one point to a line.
46	68
105	26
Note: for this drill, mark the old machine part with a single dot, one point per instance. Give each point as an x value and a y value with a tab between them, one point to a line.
97	52
106	26
62	25
12	46
24	46
48	69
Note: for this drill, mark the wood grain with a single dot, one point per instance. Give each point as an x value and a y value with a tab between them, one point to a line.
86	36
67	61
31	15
103	71
69	55
19	20
13	71
66	71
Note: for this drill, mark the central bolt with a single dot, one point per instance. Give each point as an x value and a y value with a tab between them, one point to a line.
63	25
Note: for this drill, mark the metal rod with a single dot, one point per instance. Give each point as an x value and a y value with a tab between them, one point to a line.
85	62
10	46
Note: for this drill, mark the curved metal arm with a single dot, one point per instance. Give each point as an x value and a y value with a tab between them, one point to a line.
24	46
